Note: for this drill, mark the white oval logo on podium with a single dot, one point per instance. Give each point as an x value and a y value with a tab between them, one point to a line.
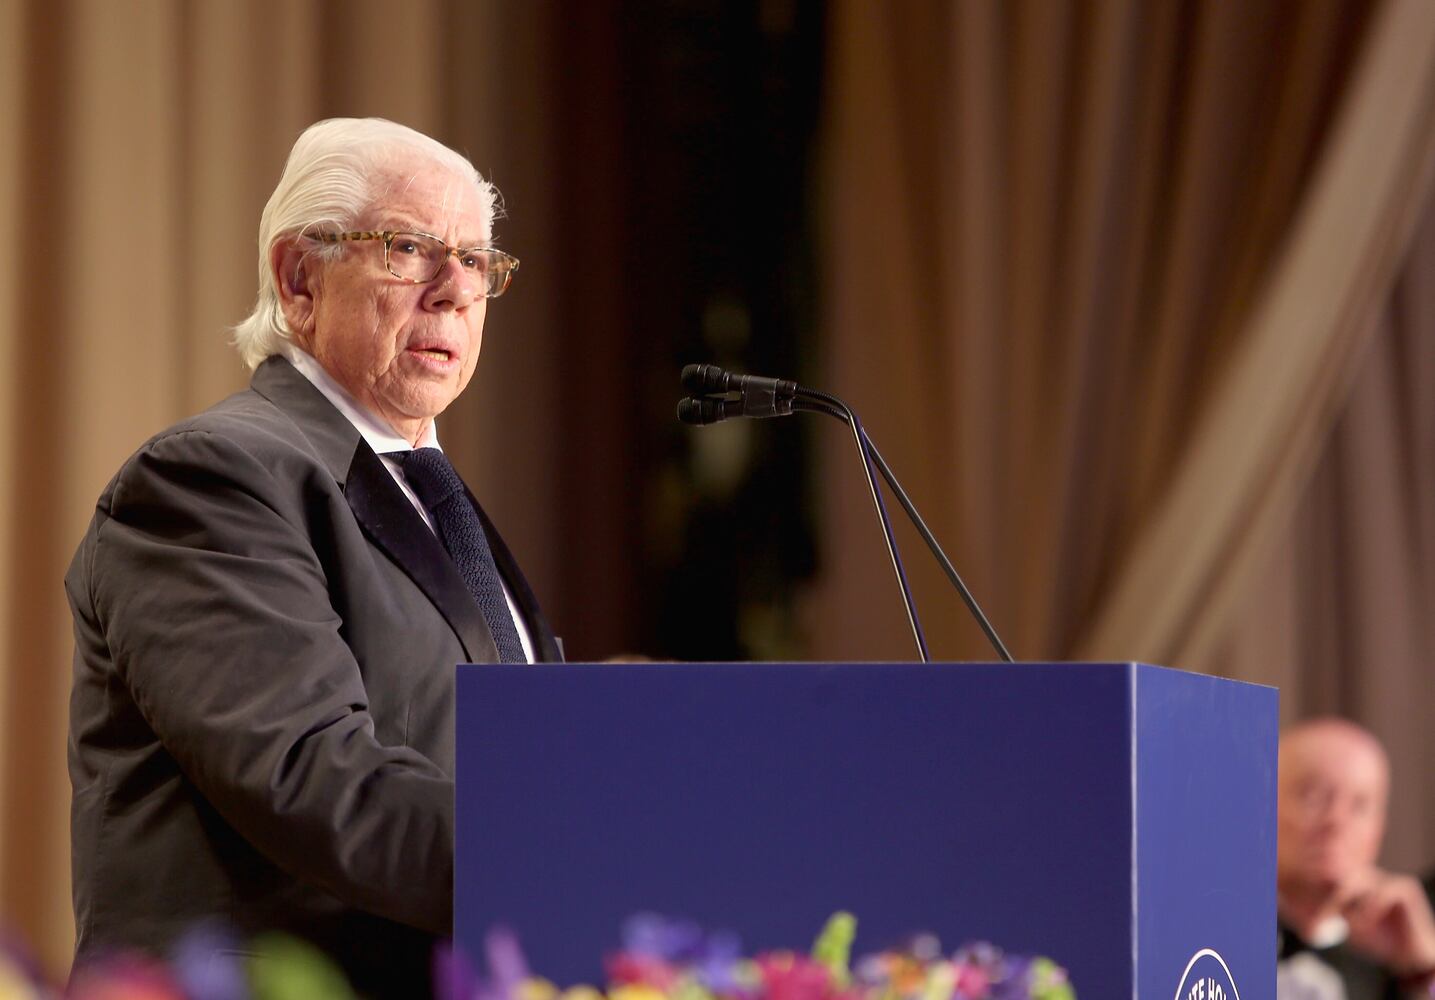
1207	977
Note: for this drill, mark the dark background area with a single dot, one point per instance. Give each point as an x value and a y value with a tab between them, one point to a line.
699	119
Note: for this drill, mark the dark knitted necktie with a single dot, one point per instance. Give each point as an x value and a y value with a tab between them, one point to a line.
433	478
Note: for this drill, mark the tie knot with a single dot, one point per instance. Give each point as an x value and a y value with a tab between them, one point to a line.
431	475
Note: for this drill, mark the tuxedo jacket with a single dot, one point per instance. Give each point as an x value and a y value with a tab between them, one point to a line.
1362	978
261	723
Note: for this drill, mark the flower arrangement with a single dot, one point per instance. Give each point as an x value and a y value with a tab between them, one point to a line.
664	959
660	959
205	964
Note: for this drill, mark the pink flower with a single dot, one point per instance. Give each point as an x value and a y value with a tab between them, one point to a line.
788	976
628	968
973	982
124	977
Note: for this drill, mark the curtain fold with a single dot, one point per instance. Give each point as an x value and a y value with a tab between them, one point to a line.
12	167
1071	232
1338	612
1256	438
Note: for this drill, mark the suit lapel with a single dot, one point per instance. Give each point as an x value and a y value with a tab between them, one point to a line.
391	522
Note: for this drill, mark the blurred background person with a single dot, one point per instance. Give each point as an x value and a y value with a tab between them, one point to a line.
1349	930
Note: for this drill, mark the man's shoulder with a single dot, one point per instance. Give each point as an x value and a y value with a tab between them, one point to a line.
279	405
278	428
244	422
269	445
246	417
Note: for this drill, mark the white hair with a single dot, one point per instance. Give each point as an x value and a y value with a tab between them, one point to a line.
330	179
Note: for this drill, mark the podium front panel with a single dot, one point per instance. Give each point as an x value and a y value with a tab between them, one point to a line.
975	801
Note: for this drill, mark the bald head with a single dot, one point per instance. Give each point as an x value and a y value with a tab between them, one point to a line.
1332	791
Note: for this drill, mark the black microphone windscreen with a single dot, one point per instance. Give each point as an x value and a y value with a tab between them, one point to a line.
703	379
700	411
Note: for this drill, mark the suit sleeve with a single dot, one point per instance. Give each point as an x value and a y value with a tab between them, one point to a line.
218	615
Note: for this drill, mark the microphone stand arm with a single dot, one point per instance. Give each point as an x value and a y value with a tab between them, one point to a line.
835	407
817	405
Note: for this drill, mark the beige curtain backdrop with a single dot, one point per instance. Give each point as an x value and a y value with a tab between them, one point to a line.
1131	295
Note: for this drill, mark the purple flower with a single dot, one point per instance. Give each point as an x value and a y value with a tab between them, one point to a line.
507	967
650	938
870	970
925	947
656	936
717	962
208	964
454	977
982	954
1014	982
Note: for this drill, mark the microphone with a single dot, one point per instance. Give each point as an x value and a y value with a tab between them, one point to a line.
756	396
709	380
766	397
699	412
753	403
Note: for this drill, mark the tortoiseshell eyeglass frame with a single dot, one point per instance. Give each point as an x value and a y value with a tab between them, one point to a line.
504	264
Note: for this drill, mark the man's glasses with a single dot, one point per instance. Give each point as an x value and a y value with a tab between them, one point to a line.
419	257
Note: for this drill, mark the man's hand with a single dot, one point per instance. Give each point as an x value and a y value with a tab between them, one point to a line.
1390	921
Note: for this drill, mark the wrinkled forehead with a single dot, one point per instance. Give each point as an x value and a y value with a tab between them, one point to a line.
431	197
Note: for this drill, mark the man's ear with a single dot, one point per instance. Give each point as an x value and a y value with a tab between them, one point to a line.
293	277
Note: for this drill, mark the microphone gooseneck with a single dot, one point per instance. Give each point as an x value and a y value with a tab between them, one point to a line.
813	406
859	436
767	397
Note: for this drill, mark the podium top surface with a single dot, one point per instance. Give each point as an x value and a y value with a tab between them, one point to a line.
1079	665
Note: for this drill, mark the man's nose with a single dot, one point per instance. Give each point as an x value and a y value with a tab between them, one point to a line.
452	288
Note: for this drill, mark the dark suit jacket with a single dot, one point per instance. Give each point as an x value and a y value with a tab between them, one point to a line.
261	725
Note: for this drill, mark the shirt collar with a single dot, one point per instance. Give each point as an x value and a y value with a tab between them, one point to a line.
1329	933
374	429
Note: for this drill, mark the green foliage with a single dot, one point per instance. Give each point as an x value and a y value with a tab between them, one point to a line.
286	968
833	947
1048	982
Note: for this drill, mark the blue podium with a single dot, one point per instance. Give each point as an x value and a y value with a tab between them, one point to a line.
1117	817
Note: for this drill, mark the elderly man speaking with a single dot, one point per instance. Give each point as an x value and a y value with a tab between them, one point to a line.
272	595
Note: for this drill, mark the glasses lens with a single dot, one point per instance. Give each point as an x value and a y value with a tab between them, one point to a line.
415	257
494	267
